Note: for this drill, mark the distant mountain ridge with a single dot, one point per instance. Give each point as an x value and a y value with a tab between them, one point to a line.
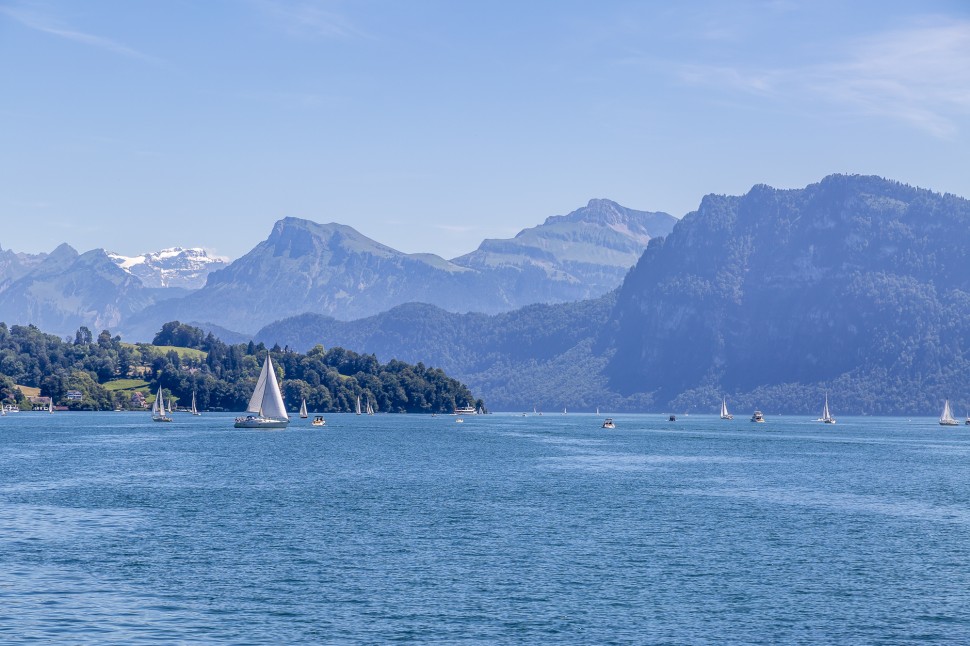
334	270
855	285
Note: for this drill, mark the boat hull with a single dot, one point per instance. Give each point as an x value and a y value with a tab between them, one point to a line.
260	422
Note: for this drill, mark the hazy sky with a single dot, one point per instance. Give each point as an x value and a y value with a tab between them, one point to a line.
431	125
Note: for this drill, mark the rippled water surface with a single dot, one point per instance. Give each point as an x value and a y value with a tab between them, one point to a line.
502	529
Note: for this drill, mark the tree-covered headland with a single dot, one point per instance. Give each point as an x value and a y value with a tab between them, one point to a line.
105	373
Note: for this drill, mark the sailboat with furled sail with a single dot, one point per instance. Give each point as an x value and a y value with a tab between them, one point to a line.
158	408
724	411
947	419
266	409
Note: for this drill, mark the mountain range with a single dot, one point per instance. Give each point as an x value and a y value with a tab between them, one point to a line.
856	286
333	269
329	269
63	290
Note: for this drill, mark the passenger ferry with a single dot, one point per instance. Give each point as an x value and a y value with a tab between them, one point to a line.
465	410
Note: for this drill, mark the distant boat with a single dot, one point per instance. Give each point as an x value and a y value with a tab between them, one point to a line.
724	411
158	408
460	420
758	416
50	406
303	413
194	410
609	423
10	408
597	410
826	415
672	418
480	411
968	419
358	405
370	409
266	408
465	410
564	411
318	421
946	419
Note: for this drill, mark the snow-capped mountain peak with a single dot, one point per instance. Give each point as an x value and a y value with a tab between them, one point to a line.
174	267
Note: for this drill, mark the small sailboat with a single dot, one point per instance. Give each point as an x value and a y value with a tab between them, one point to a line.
724	411
194	410
370	409
358	405
303	413
266	408
50	406
968	418
826	415
597	410
946	419
158	408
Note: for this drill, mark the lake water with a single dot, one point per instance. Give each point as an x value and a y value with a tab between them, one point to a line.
503	529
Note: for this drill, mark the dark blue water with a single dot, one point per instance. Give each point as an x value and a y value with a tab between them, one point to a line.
504	529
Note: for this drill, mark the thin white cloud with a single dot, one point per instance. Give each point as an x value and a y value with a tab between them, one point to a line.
920	76
44	23
311	17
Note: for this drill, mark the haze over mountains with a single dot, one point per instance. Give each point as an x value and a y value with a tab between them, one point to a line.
858	286
325	268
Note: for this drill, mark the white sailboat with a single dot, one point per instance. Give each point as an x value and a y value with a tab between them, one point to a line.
194	411
303	413
158	408
50	406
946	419
826	415
370	409
724	411
358	405
265	409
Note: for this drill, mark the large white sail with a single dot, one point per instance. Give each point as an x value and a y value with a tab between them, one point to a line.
303	413
272	405
195	411
358	405
946	419
256	401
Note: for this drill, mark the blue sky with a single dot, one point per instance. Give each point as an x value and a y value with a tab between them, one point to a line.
431	125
